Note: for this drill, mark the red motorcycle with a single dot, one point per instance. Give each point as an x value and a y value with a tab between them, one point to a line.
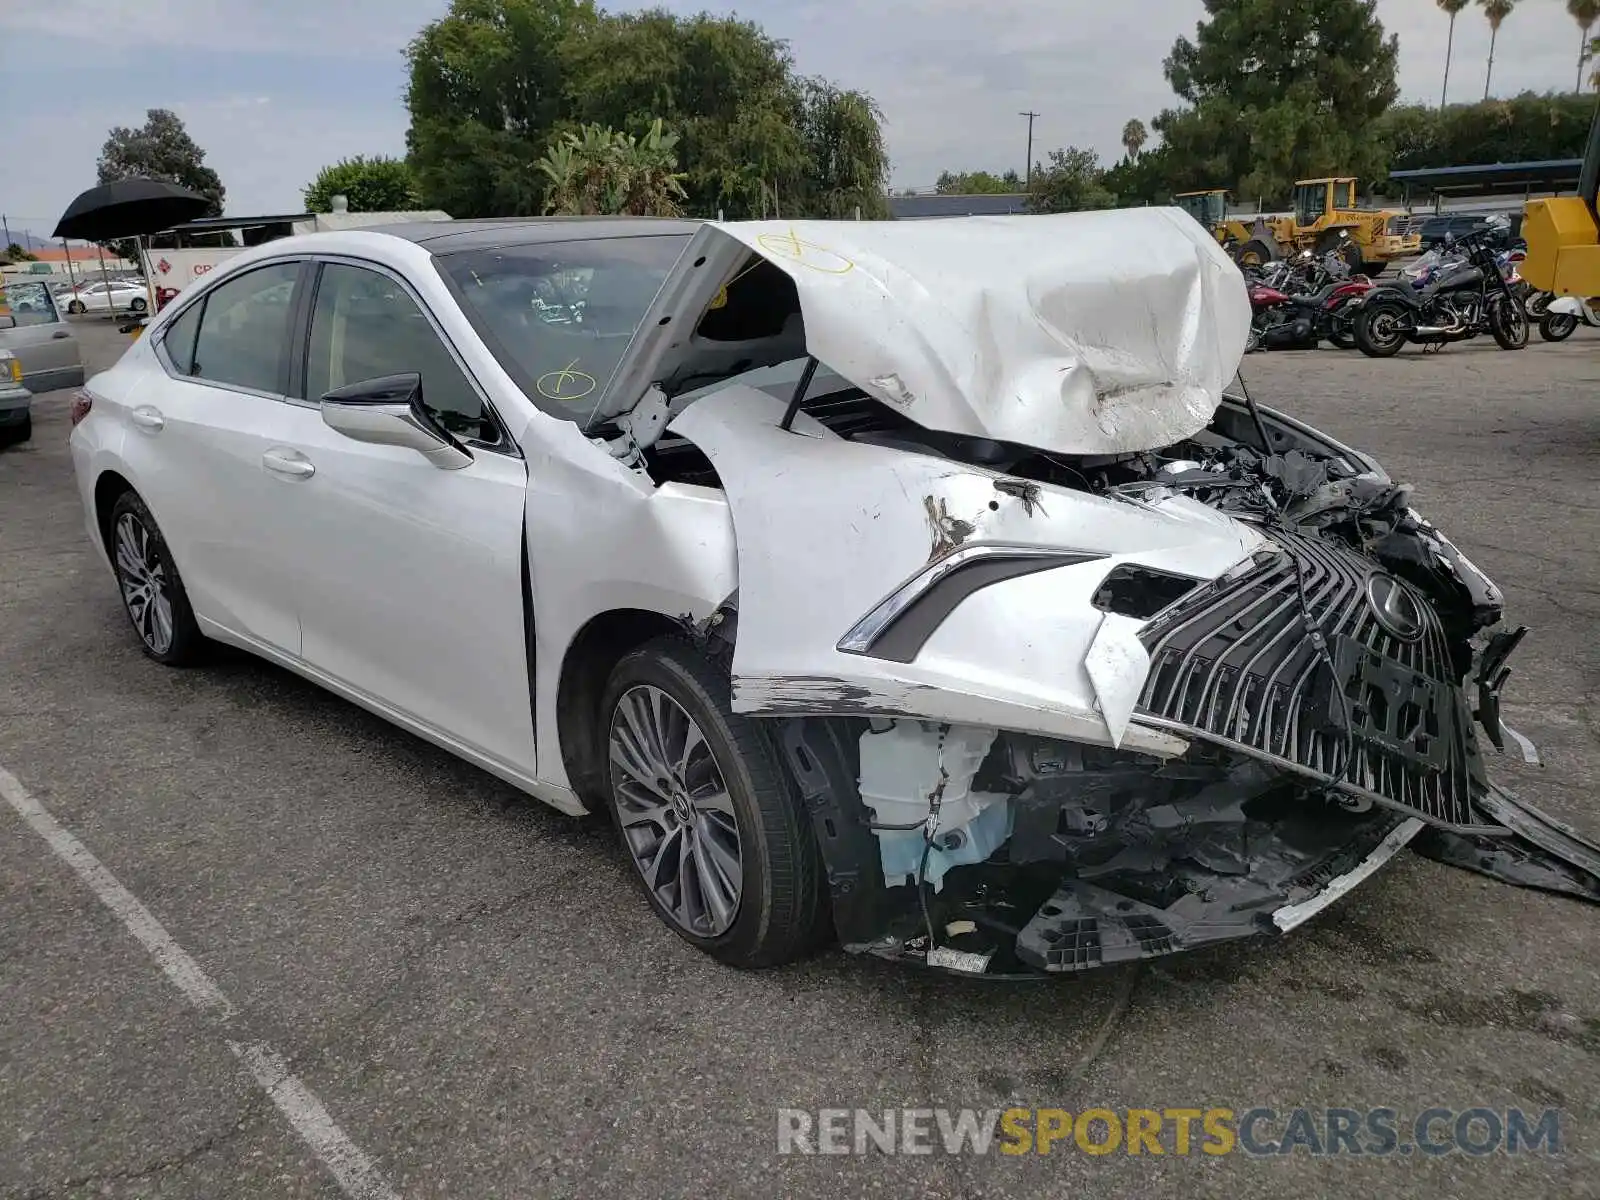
1285	320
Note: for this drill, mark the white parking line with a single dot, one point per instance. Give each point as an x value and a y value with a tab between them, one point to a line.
354	1170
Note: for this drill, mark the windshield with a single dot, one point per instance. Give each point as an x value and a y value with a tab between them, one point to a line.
1310	202
30	303
559	315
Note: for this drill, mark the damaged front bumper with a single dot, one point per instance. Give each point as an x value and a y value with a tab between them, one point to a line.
1310	763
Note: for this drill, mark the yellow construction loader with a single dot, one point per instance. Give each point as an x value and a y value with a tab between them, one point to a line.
1322	209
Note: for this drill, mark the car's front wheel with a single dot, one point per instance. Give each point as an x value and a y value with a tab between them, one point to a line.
152	591
707	813
75	306
138	304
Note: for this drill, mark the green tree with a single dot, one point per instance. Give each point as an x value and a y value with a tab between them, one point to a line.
846	164
377	184
161	148
1585	13
1453	8
601	171
1276	90
978	183
17	254
1069	181
1594	56
1495	11
494	81
1134	136
487	90
1519	129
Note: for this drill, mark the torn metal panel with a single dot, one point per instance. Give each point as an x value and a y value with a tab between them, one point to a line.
828	528
668	550
1117	664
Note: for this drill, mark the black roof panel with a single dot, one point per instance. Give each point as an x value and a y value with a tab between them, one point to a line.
451	237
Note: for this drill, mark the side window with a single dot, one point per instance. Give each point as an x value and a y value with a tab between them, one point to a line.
364	325
245	328
178	340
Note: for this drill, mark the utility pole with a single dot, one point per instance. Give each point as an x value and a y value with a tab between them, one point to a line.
6	224
1028	173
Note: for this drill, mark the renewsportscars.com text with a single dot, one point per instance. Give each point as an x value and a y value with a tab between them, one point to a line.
1254	1132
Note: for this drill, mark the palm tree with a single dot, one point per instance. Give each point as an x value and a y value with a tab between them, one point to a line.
1497	11
1452	7
1585	13
1134	134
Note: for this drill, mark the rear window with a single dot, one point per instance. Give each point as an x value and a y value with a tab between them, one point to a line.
559	315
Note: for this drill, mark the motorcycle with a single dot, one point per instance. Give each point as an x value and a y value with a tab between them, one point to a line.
1297	303
1459	299
1563	315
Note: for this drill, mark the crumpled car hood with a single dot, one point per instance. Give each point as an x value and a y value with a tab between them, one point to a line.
1079	333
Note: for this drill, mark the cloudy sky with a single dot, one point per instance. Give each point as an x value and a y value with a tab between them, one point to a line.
275	89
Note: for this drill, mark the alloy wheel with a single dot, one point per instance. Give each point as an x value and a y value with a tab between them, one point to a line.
675	811
146	590
1387	328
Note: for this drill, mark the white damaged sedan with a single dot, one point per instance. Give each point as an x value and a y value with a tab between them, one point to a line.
909	584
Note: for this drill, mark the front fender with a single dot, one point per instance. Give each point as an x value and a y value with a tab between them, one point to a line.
829	531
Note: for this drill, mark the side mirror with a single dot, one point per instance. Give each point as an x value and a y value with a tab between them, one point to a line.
388	411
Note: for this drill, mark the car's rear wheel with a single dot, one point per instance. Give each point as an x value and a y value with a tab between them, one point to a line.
75	306
152	591
707	814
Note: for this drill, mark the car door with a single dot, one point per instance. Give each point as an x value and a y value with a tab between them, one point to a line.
40	339
409	577
197	450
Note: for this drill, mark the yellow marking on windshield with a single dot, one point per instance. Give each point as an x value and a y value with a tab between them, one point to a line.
566	384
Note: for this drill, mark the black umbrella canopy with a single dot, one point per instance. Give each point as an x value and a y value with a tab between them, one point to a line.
129	208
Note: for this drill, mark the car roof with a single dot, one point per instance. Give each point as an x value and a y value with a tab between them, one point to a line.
453	237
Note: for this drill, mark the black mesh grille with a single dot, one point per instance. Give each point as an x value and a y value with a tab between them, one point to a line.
1234	660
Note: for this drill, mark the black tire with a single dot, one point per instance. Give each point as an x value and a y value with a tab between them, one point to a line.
75	306
1380	329
138	305
1536	302
782	912
1341	326
1508	323
15	435
1557	327
185	644
1254	253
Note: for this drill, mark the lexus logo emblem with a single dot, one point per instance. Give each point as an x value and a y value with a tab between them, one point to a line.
1395	608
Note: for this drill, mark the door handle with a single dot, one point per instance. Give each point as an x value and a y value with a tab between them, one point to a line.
146	417
288	462
60	333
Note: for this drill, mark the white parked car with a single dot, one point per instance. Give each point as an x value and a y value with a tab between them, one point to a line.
913	583
116	295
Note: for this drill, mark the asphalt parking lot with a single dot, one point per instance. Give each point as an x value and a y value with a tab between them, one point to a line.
469	985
